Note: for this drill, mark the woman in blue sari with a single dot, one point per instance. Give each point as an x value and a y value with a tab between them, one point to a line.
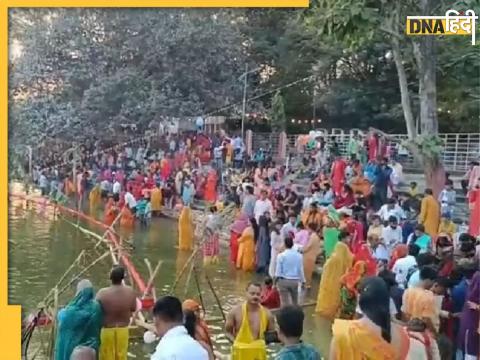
79	323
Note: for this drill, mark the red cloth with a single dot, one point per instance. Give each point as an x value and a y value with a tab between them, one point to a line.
270	298
338	175
363	254
344	200
372	148
355	228
474	202
446	268
211	187
233	246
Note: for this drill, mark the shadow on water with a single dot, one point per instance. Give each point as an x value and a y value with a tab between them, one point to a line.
42	249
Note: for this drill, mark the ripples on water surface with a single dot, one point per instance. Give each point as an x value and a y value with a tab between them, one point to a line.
41	249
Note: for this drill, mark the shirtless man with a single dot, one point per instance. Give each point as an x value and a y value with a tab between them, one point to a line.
118	303
247	323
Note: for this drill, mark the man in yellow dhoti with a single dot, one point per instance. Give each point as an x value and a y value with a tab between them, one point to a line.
118	303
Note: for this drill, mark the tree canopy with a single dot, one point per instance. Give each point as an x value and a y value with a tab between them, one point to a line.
83	72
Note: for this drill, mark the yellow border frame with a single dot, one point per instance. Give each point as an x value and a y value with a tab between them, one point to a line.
10	315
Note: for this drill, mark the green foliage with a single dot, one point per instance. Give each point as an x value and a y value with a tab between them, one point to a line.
277	113
84	71
431	146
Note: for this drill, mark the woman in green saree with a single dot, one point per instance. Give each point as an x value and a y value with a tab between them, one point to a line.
79	323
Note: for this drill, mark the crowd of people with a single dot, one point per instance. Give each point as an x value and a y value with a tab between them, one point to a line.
399	277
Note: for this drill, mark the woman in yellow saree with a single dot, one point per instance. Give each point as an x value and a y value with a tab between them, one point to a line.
328	301
374	336
95	198
185	229
246	248
156	200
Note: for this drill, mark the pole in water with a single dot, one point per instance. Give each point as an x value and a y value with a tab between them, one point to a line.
216	297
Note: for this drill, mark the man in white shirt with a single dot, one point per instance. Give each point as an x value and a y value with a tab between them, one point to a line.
391	209
391	234
130	201
262	205
117	187
403	266
175	341
289	227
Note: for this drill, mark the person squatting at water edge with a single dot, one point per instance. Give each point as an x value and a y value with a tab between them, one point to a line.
354	221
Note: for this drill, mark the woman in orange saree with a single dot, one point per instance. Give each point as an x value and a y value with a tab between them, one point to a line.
236	231
246	249
127	219
110	212
211	187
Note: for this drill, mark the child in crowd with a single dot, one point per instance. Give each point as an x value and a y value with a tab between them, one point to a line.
270	298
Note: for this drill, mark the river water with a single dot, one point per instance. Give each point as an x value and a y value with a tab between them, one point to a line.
42	248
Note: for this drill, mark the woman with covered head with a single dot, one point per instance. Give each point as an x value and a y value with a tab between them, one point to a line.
328	301
374	336
349	290
196	326
79	323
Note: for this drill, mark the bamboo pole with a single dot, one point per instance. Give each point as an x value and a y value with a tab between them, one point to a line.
197	283
76	277
110	228
150	272
187	282
51	346
216	297
152	278
76	261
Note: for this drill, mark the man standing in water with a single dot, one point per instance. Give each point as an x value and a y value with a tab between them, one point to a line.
246	326
118	303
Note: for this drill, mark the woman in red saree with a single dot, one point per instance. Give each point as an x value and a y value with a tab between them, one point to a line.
211	187
364	254
165	169
235	232
338	174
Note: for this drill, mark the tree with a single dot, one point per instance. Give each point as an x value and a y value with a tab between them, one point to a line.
86	71
277	115
356	24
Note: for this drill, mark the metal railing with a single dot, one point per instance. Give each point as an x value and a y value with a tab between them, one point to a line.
458	151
